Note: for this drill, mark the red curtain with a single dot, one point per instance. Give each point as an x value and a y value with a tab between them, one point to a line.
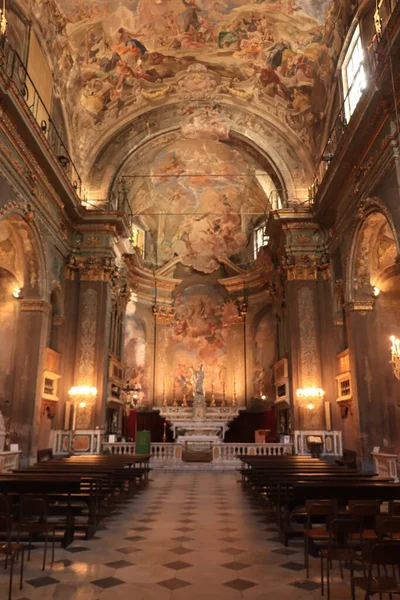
132	424
270	423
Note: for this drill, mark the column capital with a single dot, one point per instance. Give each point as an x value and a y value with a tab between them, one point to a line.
33	305
91	268
361	306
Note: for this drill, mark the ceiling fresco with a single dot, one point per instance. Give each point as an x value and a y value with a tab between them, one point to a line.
196	193
119	56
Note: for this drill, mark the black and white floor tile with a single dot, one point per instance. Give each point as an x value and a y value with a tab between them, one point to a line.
188	536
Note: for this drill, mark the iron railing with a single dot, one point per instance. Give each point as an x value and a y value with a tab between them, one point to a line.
17	72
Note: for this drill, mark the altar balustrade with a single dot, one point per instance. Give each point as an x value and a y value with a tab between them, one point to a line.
225	456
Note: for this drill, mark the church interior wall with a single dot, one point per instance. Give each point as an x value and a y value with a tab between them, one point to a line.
198	295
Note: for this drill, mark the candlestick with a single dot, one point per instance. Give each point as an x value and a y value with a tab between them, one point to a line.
164	396
174	402
184	402
164	439
212	395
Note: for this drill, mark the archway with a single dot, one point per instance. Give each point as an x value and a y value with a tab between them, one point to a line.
373	287
23	323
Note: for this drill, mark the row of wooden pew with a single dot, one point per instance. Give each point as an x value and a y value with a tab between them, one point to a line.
286	483
79	490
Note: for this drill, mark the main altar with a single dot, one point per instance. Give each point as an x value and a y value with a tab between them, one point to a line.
198	422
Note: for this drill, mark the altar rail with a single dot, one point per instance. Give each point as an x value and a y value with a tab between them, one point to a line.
224	455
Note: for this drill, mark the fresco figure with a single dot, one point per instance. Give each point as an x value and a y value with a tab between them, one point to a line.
190	15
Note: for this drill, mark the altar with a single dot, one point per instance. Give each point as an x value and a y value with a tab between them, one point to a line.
198	422
210	426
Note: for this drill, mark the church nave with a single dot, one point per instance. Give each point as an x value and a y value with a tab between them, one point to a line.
187	536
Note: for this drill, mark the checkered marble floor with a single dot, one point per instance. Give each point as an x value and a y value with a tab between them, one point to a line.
188	536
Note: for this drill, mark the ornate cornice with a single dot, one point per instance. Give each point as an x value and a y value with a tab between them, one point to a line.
28	305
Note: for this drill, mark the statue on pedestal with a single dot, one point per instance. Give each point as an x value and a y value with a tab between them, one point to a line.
198	380
199	402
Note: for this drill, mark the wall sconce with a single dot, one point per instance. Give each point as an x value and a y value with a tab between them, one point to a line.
395	362
263	397
81	395
376	291
310	394
18	293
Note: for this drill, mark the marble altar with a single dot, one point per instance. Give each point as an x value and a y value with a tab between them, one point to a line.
199	421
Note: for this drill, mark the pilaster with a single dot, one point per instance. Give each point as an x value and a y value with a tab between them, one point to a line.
31	335
304	265
359	317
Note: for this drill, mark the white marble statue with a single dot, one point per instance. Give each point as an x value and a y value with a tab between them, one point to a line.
198	380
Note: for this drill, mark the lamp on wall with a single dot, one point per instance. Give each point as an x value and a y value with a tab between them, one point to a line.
395	362
18	293
81	395
309	394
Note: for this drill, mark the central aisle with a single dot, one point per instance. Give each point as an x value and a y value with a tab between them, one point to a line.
188	536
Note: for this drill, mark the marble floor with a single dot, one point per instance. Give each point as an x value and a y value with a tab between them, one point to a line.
188	536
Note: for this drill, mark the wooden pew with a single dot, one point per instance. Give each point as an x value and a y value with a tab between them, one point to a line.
117	477
286	485
57	489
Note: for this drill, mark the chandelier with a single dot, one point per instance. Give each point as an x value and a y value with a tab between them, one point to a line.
395	362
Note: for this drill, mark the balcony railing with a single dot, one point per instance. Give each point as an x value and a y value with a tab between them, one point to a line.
382	16
17	72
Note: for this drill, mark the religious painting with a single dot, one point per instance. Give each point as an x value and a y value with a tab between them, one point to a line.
135	353
198	337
